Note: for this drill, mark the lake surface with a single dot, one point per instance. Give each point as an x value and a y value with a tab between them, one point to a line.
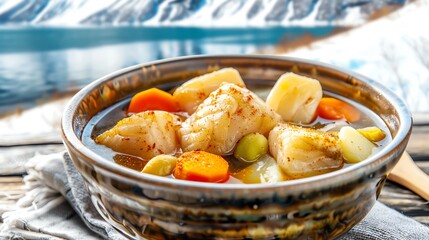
36	62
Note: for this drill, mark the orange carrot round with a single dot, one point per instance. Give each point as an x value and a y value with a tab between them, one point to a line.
335	109
202	167
153	99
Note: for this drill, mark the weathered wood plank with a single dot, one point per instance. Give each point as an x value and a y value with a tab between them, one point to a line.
45	119
13	159
418	146
11	190
5	180
423	165
405	201
421	118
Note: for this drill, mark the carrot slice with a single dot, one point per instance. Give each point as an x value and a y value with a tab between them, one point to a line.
202	167
335	109
153	99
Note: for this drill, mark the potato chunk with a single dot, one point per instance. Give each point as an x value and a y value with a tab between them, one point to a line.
146	134
264	170
373	134
193	92
228	114
161	165
304	152
295	98
354	145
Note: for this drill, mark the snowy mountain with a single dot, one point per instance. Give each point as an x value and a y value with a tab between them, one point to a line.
190	12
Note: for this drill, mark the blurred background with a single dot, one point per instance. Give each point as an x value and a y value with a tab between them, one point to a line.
49	48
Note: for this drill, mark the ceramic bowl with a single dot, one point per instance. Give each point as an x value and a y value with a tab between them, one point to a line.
144	206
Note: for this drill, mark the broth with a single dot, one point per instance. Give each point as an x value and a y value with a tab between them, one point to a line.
107	118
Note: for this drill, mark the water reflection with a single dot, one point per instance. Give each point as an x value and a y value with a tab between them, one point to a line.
35	62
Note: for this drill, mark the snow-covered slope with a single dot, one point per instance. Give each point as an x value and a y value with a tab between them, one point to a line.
190	12
392	50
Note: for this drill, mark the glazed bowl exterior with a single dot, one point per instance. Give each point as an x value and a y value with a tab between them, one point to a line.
144	206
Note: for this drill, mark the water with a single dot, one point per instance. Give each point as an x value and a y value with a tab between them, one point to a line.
36	62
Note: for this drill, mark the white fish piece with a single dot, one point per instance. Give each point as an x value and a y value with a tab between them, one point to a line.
228	114
304	152
295	97
193	92
145	134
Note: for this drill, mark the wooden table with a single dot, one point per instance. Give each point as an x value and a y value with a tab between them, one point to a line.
401	198
392	195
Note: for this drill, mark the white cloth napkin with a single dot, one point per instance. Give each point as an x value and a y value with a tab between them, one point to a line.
57	205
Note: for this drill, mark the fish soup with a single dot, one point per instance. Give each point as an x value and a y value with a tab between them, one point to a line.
218	128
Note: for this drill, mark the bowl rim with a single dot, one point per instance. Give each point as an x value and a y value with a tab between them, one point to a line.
351	172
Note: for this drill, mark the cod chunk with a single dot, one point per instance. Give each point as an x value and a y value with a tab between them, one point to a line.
304	152
228	114
146	134
193	92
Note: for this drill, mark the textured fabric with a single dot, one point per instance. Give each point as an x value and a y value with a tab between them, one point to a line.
57	205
